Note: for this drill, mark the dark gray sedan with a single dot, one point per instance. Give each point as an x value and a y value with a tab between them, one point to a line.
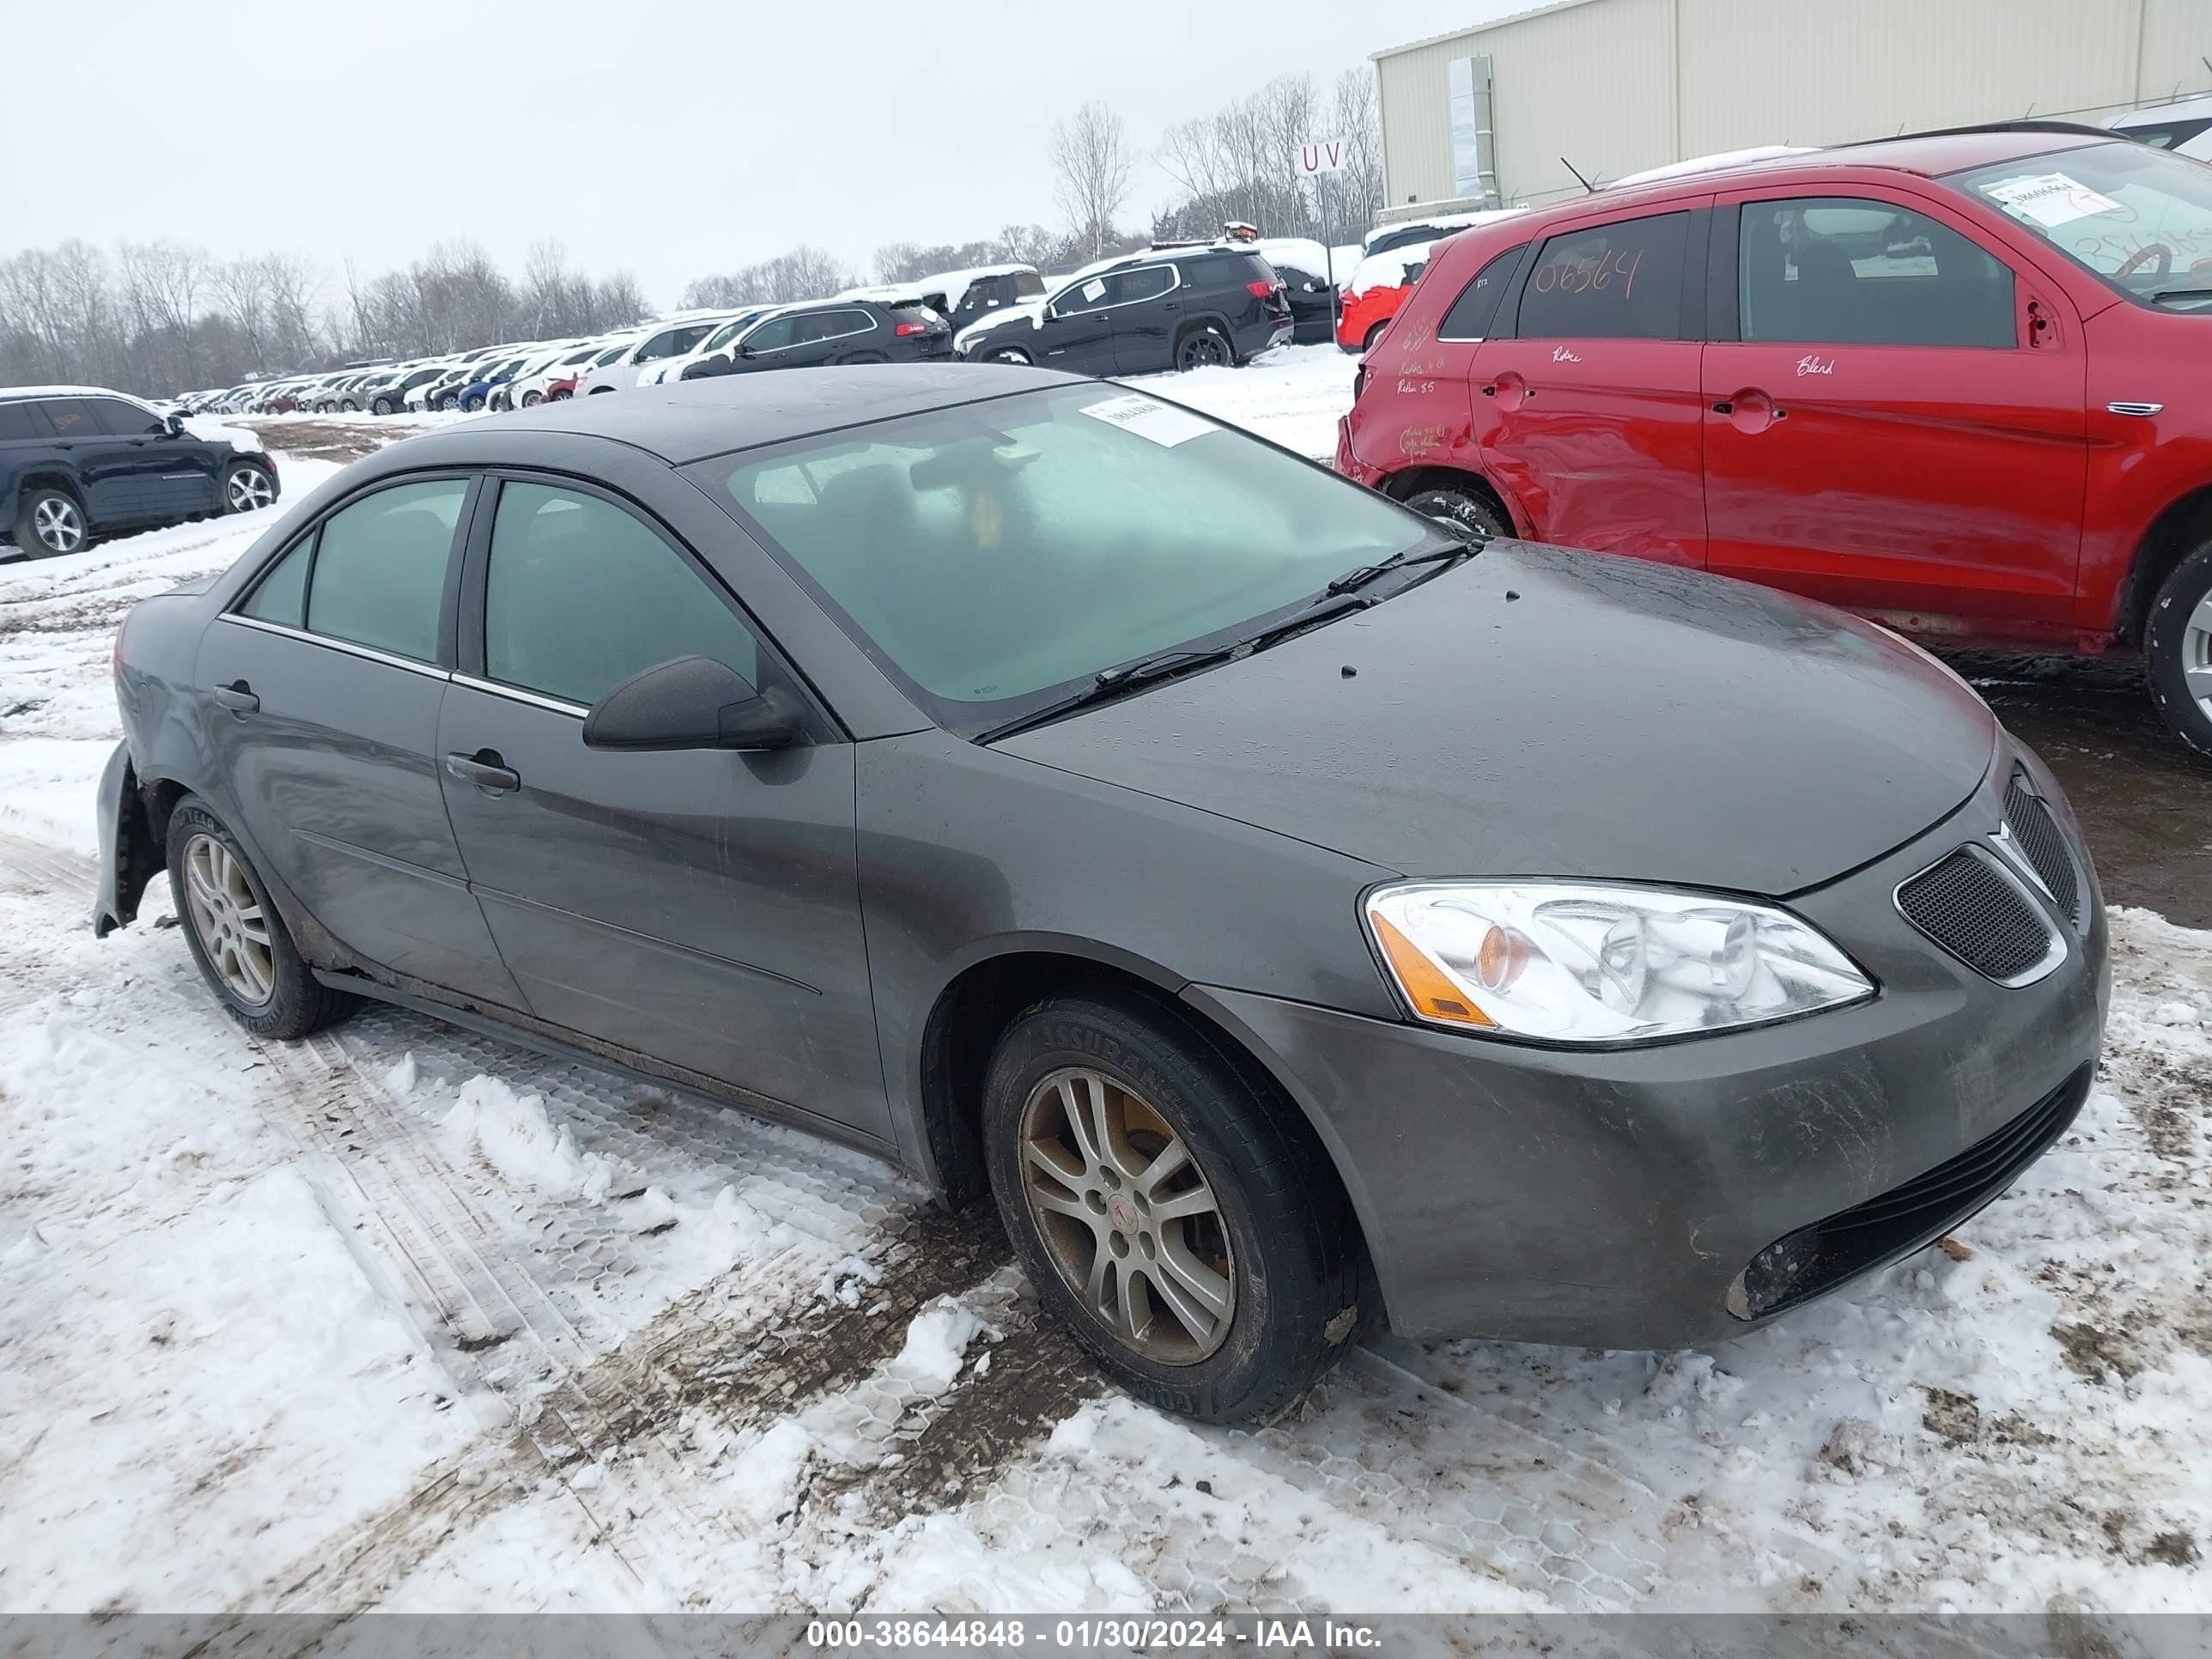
1296	914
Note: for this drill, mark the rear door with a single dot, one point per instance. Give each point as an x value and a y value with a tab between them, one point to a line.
1884	429
1147	306
323	688
106	466
700	907
1587	404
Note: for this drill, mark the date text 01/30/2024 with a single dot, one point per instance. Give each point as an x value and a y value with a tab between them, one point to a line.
1120	1634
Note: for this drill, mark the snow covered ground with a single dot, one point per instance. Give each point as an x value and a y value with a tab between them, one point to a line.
404	1318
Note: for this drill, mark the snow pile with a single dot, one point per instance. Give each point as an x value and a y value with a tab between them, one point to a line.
1390	268
1445	224
1713	163
512	1134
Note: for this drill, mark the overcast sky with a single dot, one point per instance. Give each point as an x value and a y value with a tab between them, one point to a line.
673	137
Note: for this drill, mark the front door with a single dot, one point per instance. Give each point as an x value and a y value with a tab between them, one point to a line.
1147	309
1589	412
324	685
1078	330
176	474
1884	432
700	907
106	466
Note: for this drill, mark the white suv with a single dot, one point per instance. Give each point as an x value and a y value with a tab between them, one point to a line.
627	367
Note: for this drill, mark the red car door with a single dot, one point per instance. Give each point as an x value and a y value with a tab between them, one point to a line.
1894	414
1586	402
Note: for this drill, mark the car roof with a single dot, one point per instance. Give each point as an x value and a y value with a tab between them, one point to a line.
695	419
12	393
1925	155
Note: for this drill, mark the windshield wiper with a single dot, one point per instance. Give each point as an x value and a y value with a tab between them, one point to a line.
1110	683
1367	572
2166	294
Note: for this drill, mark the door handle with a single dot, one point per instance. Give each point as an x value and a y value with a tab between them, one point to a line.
237	697
1490	389
486	770
1724	409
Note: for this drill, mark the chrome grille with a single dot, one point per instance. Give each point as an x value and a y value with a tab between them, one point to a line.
1982	914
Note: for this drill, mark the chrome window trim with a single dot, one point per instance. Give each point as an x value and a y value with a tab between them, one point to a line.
516	694
2055	952
367	652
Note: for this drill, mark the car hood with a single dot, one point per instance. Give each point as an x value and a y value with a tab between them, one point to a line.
1541	712
1027	310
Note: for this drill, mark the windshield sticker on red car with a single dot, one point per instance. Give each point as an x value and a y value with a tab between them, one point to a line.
2049	199
1161	423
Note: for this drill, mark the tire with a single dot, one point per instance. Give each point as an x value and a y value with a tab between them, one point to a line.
1469	507
246	485
236	936
50	523
347	406
560	396
1011	354
381	406
530	399
1274	1243
1373	335
1205	347
449	402
864	357
2178	650
471	406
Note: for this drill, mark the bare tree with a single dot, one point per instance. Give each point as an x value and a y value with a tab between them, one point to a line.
242	287
1356	188
1092	163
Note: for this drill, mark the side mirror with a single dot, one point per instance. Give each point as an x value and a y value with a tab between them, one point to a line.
177	427
693	702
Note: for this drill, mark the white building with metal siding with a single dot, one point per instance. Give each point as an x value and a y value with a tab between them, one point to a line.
1616	85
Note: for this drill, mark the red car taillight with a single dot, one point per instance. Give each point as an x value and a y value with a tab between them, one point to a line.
905	329
1262	290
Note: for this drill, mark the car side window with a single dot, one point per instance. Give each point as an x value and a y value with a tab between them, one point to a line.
659	346
121	420
1145	282
771	335
280	596
378	576
72	417
1852	271
1092	294
21	420
581	595
1616	281
1476	309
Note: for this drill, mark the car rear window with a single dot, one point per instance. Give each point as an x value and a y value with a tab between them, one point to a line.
1617	282
1028	283
920	314
72	417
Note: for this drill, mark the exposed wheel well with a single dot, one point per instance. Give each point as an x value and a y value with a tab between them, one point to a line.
2184	526
1404	486
60	481
964	1026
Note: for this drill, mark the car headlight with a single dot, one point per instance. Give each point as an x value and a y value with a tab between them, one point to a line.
1594	962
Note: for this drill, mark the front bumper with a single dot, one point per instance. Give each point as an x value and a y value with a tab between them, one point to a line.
1621	1199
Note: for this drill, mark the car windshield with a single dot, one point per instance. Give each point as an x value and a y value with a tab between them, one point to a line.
2138	217
993	557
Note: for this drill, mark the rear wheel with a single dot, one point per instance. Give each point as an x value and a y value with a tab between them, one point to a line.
237	937
562	396
1204	348
2178	650
381	406
1193	1242
49	523
1373	335
530	399
1014	356
469	405
1469	507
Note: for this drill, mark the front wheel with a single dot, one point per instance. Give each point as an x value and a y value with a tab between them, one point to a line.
381	406
1013	356
2178	650
562	396
1467	507
49	523
1204	348
530	400
237	937
469	405
245	487
1190	1236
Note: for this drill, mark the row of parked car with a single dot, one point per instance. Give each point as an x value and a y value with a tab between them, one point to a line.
1174	304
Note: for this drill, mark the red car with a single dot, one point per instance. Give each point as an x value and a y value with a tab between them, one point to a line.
1955	382
560	389
1389	264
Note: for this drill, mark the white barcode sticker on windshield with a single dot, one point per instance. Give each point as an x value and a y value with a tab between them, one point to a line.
1162	423
2050	199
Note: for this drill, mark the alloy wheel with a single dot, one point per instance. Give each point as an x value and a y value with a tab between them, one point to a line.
1130	1220
1203	350
58	524
250	488
229	921
2197	654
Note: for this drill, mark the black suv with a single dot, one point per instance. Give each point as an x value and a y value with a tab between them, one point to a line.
1190	308
833	331
76	462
